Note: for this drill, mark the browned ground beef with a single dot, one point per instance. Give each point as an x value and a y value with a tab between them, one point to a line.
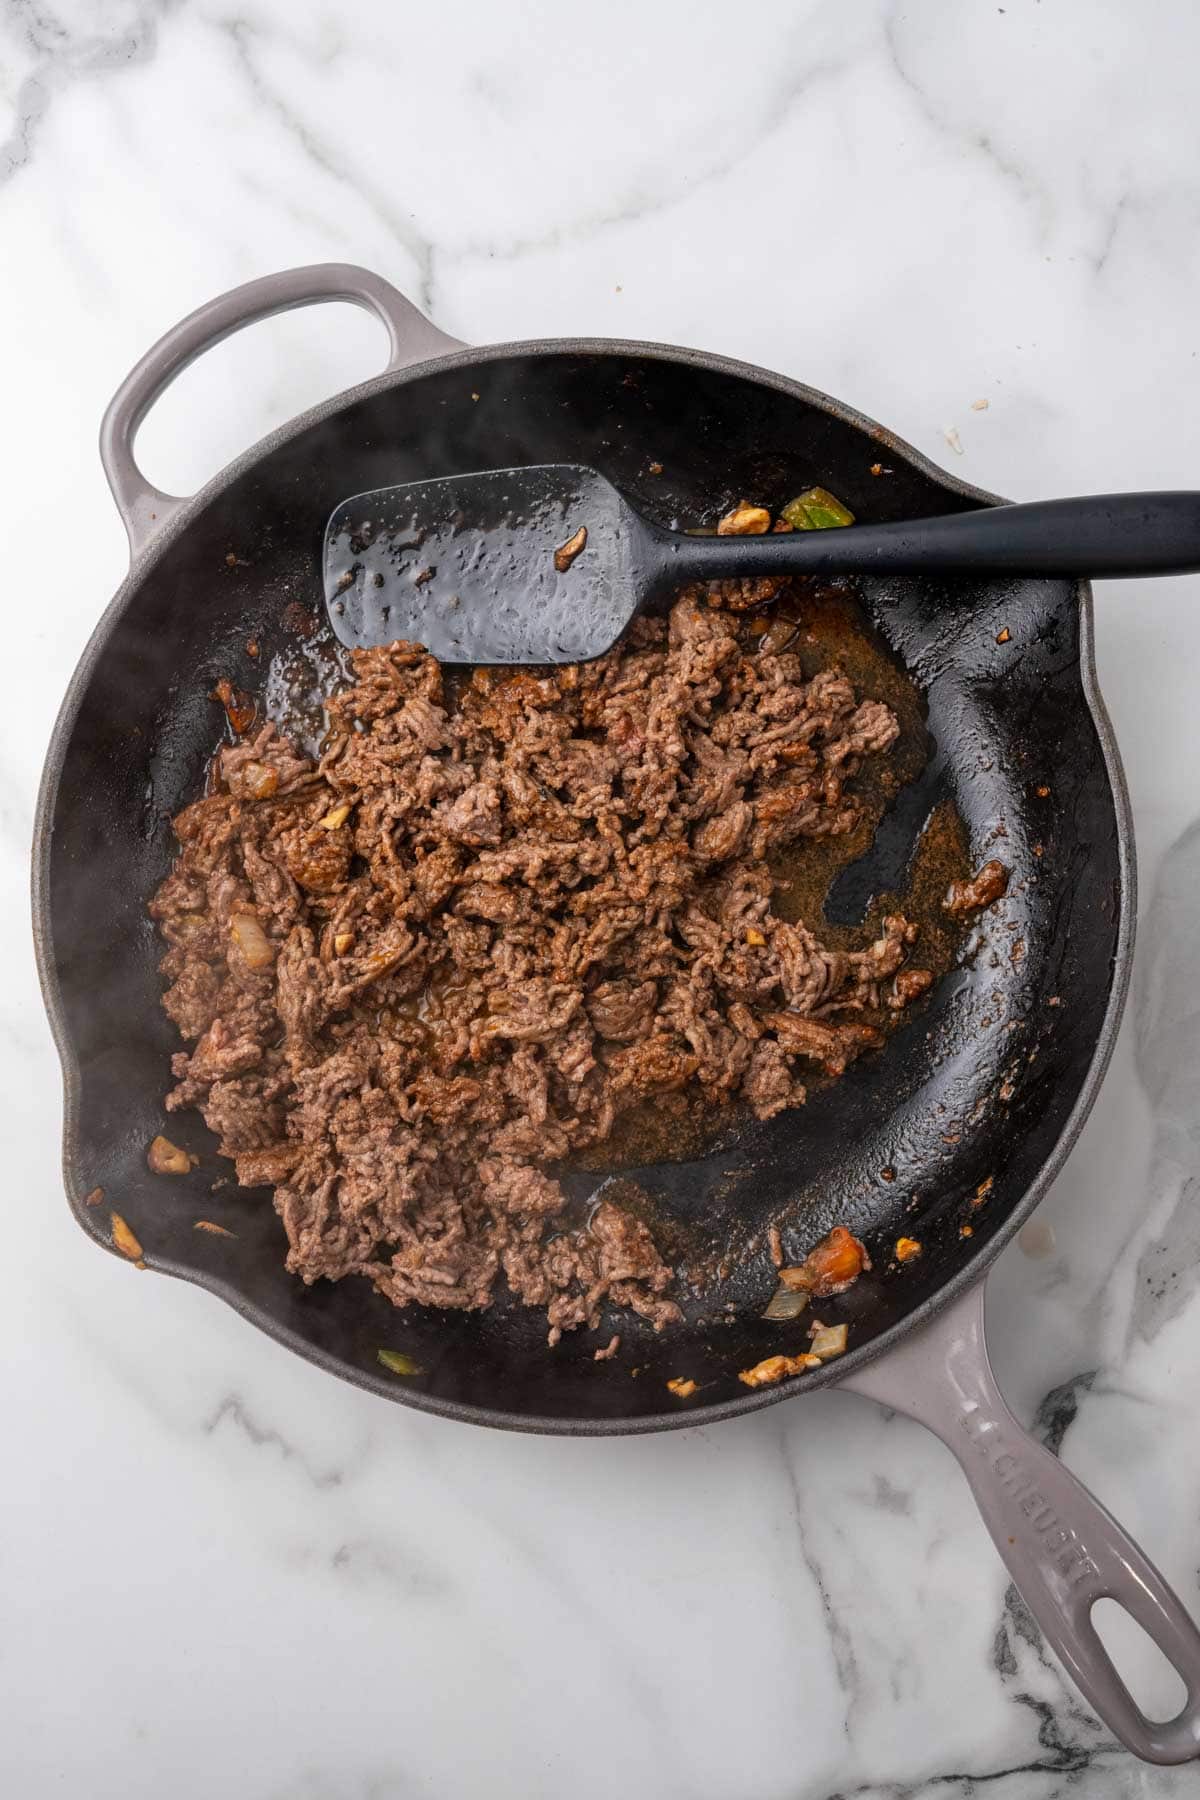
451	953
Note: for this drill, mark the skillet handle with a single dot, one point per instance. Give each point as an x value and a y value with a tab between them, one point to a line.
1063	1551
411	338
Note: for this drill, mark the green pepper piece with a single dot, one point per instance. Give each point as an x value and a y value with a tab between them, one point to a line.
398	1363
816	509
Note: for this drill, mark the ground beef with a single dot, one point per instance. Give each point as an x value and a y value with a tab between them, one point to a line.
419	972
983	889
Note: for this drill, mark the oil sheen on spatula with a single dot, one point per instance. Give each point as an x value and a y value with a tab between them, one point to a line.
549	564
484	568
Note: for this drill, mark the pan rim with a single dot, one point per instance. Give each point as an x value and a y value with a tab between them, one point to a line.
548	1425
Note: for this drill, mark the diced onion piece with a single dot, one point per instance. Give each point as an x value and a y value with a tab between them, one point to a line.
775	1368
777	636
907	1248
188	926
166	1158
786	1303
829	1340
754	937
213	1229
745	521
566	553
816	509
239	707
682	1387
253	942
258	780
343	941
125	1241
336	817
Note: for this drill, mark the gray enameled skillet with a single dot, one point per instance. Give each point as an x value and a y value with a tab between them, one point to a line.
988	1082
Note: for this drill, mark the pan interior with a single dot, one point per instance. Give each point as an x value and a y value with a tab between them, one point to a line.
937	1138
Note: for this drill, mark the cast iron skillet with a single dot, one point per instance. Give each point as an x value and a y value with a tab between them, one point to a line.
988	1083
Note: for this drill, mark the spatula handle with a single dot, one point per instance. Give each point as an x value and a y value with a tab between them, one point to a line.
1098	534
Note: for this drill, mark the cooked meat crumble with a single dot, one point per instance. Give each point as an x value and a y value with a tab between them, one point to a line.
417	974
984	888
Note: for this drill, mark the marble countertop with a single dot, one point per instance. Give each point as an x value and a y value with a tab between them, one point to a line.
224	1573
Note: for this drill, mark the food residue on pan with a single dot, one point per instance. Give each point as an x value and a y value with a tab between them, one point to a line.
816	510
988	885
240	709
566	553
745	520
680	1386
776	1368
826	1343
94	1198
213	1229
830	1268
609	1351
907	1249
165	1158
126	1241
828	1340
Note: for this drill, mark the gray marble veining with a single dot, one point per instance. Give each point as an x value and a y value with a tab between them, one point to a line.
225	1573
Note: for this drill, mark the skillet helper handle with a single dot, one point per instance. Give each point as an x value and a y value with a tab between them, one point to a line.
1063	1551
1092	535
411	338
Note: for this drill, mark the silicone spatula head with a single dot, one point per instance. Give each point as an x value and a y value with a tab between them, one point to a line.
531	565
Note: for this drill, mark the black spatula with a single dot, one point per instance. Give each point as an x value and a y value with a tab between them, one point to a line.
549	564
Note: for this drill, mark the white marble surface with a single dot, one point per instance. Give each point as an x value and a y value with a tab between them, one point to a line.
222	1572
